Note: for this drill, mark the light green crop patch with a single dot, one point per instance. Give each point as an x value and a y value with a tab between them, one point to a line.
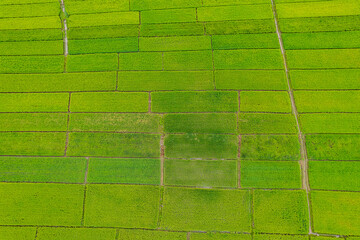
175	43
321	40
32	144
333	147
163	4
188	60
231	2
326	79
332	175
201	173
316	24
109	102
114	145
168	16
241	26
87	81
92	62
132	234
248	59
61	203
266	123
330	123
30	23
33	122
113	31
279	237
34	102
103	19
265	101
279	211
318	9
207	146
250	80
115	122
323	58
5	2
219	236
75	233
200	123
79	7
15	35
36	169
31	48
270	147
205	209
31	64
327	101
228	13
132	171
140	61
171	29
30	10
241	41
336	212
122	206
18	233
103	45
165	80
266	174
215	101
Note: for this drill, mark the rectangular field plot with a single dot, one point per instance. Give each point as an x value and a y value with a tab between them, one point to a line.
326	79
32	144
203	209
75	233
133	234
219	236
206	146
240	26
336	212
330	123
42	169
279	211
203	173
85	81
114	122
270	174
214	101
188	60
265	101
182	43
250	80
109	102
165	80
200	123
114	145
243	41
121	205
62	204
31	64
79	7
140	61
31	48
266	123
333	175
15	233
333	147
121	170
33	122
270	147
92	62
104	45
171	29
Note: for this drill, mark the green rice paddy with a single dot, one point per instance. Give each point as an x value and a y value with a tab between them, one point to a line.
179	120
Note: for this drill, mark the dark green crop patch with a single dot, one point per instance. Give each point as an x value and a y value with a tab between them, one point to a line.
92	62
207	146
270	147
181	43
103	45
137	234
188	60
211	101
219	236
243	41
200	123
333	146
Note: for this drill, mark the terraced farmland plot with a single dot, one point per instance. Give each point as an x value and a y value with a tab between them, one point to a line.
179	120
